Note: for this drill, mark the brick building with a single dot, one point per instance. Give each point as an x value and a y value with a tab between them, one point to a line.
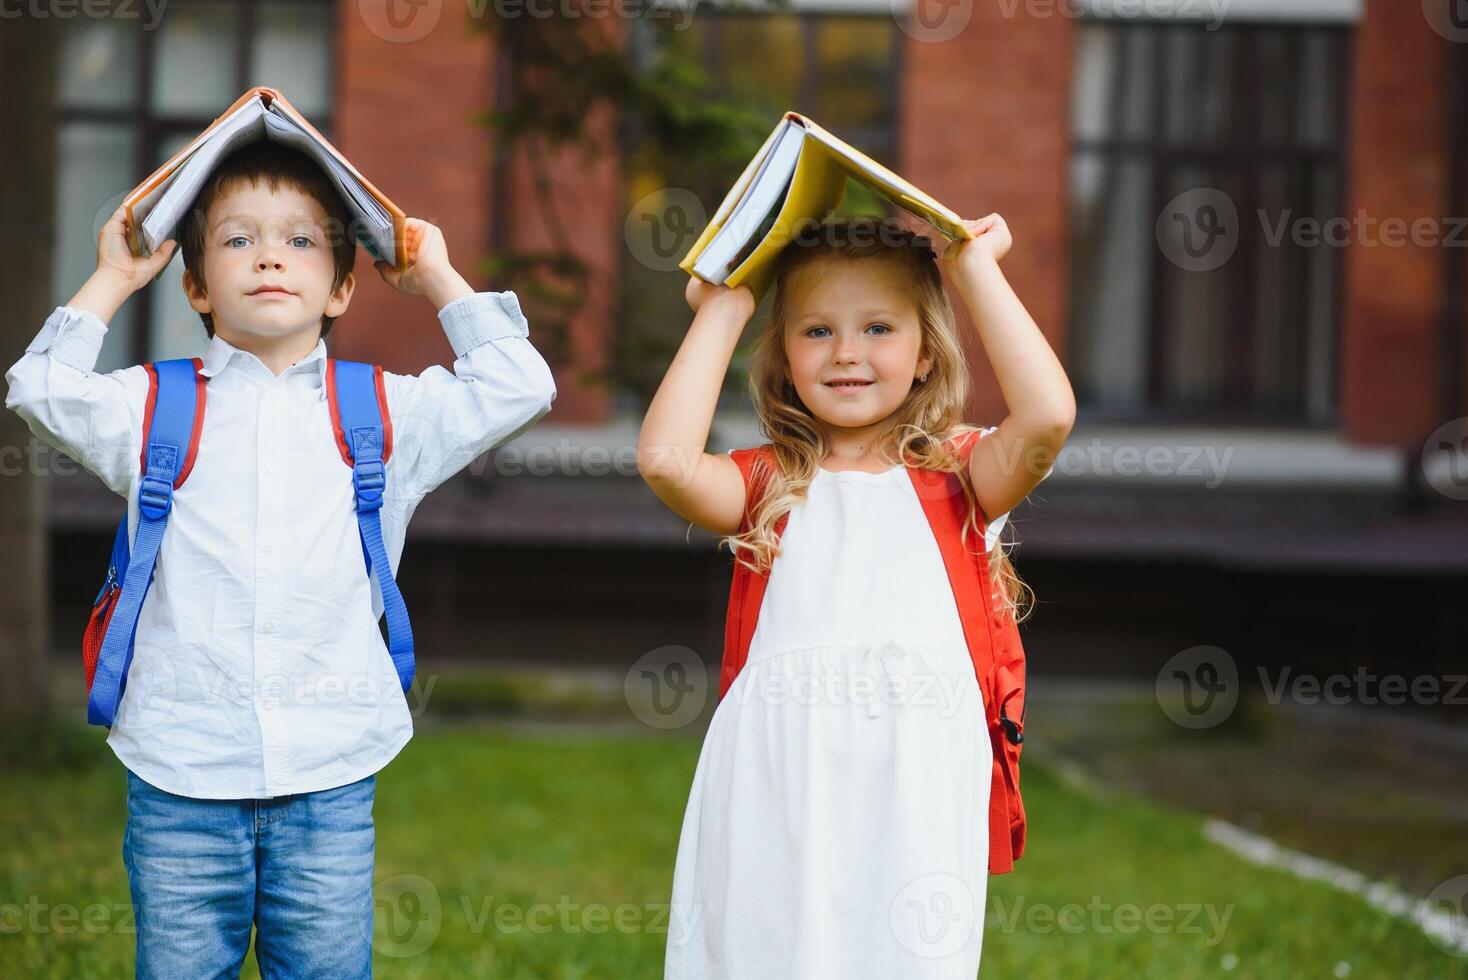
1295	366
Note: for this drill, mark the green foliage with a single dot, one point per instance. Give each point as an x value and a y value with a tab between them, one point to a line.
565	74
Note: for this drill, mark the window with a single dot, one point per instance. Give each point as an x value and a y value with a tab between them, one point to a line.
130	97
1163	109
839	68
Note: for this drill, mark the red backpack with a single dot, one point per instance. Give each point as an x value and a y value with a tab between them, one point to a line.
989	628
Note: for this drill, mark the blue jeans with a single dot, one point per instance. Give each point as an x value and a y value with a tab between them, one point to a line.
297	868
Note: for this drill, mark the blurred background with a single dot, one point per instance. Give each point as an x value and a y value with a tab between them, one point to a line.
1242	225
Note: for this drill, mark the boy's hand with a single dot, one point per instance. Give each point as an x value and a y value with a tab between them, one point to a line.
428	260
991	241
698	293
115	256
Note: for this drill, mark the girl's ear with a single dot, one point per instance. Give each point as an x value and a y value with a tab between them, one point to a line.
924	366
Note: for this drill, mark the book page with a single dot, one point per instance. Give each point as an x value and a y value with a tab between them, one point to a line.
750	218
375	224
175	195
894	187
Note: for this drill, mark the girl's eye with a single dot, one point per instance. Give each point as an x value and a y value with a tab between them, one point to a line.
812	331
881	327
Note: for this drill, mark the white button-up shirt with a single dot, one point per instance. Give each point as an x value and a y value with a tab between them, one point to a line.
259	669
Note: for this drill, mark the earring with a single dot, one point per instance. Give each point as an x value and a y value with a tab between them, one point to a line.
923	376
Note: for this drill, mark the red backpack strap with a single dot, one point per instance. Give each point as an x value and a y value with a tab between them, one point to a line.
747	590
993	643
336	414
201	390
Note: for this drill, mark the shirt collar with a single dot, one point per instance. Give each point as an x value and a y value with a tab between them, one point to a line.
220	352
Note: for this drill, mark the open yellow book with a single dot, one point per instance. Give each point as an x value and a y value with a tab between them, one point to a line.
155	206
798	175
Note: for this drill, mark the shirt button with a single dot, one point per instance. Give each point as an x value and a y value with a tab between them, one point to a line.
271	468
268	628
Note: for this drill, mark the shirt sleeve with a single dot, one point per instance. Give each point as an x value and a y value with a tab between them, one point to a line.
95	419
499	387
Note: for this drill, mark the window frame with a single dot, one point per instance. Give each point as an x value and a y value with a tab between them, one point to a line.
1247	161
808	16
150	129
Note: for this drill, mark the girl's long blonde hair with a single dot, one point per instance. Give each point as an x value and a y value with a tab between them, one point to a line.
929	417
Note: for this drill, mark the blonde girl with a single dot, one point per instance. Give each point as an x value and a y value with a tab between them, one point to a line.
836	823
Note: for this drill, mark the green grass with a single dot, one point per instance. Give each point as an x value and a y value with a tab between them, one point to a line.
487	826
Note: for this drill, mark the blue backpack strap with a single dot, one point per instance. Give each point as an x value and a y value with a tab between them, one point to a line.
172	422
363	429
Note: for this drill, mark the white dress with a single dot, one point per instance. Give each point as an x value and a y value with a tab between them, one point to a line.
838	821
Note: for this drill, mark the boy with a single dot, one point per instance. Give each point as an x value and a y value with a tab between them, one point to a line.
262	699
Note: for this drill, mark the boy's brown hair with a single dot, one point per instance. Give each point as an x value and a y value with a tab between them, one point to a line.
275	165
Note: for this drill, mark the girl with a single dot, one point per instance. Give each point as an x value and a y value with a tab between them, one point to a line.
836	825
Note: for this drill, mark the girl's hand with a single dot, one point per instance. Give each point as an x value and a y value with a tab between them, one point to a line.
991	240
700	293
428	260
115	257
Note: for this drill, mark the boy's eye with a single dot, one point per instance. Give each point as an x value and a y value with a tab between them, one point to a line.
294	239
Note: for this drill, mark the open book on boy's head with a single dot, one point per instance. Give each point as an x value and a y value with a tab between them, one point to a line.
796	178
155	207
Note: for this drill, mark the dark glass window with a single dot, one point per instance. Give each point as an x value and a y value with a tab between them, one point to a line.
1190	144
130	97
